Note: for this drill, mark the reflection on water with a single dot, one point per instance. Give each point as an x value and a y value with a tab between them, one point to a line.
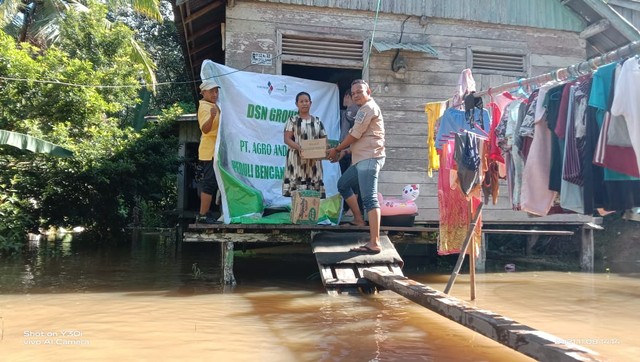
146	299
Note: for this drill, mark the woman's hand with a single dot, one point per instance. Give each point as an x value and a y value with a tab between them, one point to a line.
333	155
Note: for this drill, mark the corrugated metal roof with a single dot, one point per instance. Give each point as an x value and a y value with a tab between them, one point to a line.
570	15
546	14
382	46
629	10
620	33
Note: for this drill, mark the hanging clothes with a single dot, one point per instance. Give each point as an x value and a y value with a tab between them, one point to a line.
454	121
627	99
595	192
536	198
496	163
576	131
556	139
557	107
622	191
525	127
434	111
519	146
571	195
466	85
455	213
614	150
505	132
467	157
619	161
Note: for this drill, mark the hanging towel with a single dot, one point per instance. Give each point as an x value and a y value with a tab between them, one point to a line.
466	85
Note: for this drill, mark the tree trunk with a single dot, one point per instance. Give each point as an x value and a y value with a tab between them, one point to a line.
28	18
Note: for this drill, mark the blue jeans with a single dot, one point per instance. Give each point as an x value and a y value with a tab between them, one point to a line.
365	175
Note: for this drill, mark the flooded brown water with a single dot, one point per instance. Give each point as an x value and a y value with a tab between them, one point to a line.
73	300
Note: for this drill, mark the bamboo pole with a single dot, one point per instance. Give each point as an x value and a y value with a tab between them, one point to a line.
465	246
472	255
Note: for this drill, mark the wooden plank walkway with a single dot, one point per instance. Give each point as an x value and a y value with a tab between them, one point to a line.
342	271
534	343
287	233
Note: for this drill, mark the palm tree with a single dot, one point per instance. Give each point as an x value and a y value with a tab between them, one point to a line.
37	22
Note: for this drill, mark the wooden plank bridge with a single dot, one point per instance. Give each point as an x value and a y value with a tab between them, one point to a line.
342	271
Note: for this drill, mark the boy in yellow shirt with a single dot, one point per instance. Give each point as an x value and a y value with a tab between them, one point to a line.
208	120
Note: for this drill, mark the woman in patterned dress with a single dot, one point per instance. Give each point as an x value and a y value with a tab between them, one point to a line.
299	173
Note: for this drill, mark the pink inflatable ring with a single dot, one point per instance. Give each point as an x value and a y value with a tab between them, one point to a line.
390	207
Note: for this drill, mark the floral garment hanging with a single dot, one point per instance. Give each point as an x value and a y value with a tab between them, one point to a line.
455	213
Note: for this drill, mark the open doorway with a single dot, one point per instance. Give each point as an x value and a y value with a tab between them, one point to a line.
339	76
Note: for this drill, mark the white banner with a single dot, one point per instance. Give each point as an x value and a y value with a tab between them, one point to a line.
250	142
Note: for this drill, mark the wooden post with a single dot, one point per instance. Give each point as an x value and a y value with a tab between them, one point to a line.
182	174
226	255
482	256
179	237
586	250
472	259
531	242
463	251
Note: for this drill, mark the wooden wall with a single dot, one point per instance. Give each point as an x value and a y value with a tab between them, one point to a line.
253	27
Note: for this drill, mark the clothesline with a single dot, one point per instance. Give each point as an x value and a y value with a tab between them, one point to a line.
573	186
574	70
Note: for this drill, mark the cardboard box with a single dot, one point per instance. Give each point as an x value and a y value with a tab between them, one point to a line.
305	206
314	149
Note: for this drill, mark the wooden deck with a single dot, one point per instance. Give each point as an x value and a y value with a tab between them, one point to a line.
287	233
424	233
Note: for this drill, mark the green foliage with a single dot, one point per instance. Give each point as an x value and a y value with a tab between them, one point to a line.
42	23
114	169
14	223
38	20
141	172
163	45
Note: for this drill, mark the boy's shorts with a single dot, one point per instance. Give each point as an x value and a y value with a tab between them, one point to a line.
206	177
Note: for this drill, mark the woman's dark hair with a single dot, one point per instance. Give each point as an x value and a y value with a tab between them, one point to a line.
302	94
